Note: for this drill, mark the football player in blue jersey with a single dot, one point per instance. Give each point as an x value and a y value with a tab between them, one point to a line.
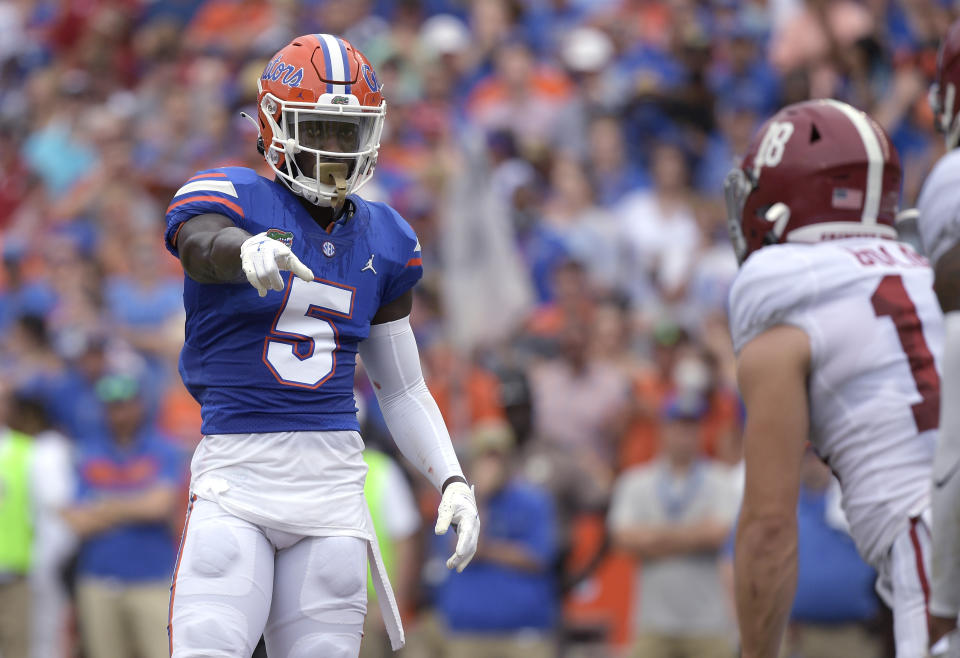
287	280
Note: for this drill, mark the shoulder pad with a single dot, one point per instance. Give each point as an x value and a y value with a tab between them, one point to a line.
773	283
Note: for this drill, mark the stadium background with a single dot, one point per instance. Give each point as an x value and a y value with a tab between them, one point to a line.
562	162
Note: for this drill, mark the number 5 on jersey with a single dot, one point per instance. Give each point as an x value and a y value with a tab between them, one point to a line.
301	323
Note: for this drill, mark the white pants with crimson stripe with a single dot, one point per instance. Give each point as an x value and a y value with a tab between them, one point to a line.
235	580
903	583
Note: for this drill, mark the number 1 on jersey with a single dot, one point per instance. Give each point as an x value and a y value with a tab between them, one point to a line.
891	299
300	322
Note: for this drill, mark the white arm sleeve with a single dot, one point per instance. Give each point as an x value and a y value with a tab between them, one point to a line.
945	591
392	362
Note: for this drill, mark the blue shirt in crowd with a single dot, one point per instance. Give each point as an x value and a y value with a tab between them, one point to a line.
834	584
74	406
136	306
76	410
134	552
491	598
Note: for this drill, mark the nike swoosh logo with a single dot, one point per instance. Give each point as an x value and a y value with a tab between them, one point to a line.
946	478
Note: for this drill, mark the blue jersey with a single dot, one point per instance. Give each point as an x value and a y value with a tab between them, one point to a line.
286	362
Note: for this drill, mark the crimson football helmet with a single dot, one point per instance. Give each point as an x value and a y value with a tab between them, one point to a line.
321	112
816	170
943	92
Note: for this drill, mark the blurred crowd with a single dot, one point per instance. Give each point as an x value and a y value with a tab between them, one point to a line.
562	162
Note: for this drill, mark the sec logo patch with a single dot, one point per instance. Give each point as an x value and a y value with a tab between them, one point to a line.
328	249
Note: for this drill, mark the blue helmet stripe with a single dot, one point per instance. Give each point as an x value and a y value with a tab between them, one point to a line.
326	61
346	63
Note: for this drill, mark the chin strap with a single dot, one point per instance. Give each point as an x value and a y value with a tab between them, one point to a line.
326	173
333	173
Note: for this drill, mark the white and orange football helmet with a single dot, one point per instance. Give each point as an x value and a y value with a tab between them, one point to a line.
320	112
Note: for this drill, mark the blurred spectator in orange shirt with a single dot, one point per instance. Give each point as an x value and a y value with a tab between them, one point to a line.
465	392
521	96
233	26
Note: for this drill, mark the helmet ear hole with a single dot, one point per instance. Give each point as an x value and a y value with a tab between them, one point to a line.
814	133
778	215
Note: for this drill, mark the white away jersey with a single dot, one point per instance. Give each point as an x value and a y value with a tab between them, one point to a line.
939	206
876	336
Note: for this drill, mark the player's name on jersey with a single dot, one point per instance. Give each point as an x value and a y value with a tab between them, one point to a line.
894	254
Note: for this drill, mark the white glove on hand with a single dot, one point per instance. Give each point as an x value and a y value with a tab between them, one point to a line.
460	507
262	258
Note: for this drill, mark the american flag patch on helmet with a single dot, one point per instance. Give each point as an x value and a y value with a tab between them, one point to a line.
847	199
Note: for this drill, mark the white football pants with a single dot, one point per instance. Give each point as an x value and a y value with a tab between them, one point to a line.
235	580
904	584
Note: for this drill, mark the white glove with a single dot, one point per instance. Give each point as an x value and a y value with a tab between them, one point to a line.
262	258
460	507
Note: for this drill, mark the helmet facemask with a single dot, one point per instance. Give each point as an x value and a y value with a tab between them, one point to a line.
736	188
946	119
323	151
